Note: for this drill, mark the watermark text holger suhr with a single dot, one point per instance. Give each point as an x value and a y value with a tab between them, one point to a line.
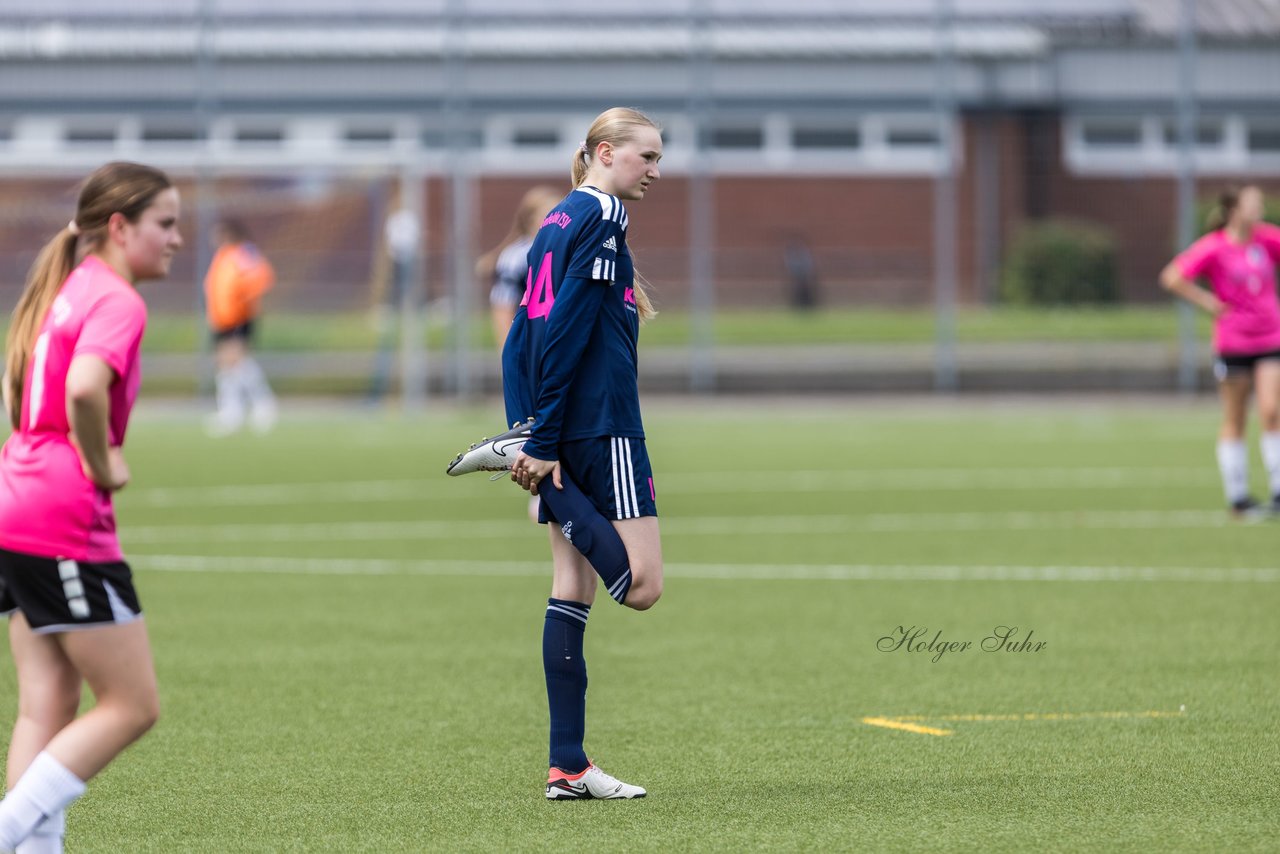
919	639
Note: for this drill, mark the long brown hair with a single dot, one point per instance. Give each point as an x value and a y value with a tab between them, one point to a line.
1228	201
119	187
615	125
529	214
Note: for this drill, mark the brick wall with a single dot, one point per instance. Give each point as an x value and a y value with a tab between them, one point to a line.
871	236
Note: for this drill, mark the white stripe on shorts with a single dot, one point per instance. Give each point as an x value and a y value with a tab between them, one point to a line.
626	503
120	612
618	508
631	481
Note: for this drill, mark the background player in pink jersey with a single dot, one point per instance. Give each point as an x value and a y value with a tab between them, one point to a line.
71	378
1238	258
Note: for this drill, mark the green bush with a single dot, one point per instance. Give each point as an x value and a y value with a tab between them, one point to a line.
1060	262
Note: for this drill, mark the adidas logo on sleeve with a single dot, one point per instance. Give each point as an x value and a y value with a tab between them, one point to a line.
611	244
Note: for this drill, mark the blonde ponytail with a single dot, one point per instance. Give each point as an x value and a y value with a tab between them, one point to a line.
579	164
644	305
615	125
52	266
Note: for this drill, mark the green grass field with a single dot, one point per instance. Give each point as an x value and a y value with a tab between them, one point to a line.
295	332
349	642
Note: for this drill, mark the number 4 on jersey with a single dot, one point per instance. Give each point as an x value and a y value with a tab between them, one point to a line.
539	296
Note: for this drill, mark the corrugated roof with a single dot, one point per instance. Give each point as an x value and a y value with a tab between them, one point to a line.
61	40
795	9
825	28
1216	19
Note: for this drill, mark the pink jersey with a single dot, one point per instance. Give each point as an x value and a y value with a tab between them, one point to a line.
1243	276
48	505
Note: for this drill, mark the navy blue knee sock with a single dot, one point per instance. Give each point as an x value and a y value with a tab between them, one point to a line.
590	532
566	672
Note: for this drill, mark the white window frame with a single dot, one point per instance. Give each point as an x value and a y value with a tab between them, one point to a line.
1154	155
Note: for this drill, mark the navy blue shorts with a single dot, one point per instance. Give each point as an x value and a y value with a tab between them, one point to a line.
614	473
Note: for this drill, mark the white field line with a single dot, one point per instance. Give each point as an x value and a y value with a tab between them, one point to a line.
431	486
732	572
935	479
737	526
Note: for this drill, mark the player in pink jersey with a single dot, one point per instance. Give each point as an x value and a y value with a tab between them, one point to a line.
71	377
1238	258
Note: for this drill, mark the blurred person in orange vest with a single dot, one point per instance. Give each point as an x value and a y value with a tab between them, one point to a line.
237	279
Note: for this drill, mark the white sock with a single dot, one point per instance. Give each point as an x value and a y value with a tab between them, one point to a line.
45	788
1233	463
1271	456
47	837
229	397
254	383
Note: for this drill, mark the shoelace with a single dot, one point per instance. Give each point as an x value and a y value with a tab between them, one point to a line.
606	779
484	439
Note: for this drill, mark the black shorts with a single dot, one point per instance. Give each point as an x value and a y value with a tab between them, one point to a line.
1236	367
613	472
243	332
58	595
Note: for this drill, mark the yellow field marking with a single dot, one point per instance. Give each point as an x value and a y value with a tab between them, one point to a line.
894	723
905	722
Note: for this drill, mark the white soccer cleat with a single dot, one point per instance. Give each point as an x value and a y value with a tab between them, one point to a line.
219	425
496	454
591	784
1248	510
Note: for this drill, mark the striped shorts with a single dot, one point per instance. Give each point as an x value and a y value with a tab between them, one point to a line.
61	595
614	473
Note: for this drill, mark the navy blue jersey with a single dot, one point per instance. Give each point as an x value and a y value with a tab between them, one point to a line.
570	358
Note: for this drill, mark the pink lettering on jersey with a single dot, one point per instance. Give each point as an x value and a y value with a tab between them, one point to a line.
629	295
542	296
559	218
